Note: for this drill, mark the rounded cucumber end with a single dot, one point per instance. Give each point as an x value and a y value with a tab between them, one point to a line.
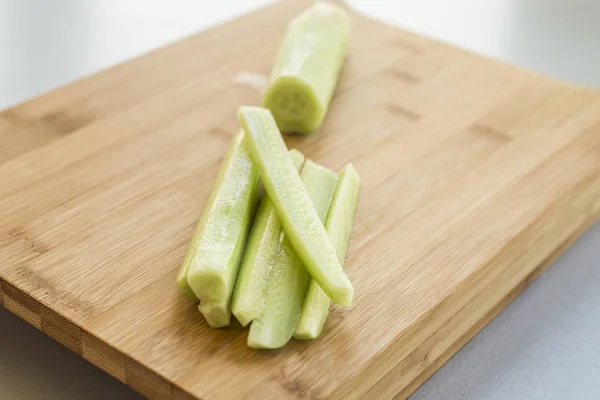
307	333
294	105
261	339
311	323
217	315
343	296
208	285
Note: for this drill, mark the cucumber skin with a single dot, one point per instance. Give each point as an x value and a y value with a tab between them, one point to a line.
308	66
262	242
288	278
182	282
293	205
339	225
213	258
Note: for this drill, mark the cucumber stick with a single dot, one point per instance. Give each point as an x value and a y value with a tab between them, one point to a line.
307	67
293	205
286	279
217	314
211	264
249	288
339	227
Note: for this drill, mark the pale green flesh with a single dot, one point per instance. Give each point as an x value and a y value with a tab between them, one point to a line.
218	315
210	267
307	68
286	279
182	281
293	205
339	227
249	288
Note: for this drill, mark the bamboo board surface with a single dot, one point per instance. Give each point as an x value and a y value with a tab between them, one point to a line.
476	174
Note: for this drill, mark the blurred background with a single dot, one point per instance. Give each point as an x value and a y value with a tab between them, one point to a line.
543	346
44	44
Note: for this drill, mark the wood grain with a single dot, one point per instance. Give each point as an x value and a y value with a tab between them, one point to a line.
476	174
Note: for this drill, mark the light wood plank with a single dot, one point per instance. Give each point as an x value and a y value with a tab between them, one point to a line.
476	174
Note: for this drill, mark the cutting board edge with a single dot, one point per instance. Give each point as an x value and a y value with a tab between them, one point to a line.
431	365
499	307
151	384
109	359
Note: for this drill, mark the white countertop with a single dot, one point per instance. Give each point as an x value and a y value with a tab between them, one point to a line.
545	345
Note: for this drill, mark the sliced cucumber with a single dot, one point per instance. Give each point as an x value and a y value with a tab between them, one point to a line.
249	288
217	314
211	264
293	205
286	281
307	67
339	227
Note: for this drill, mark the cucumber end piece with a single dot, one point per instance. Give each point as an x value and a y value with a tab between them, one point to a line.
207	284
294	105
342	295
261	338
308	331
218	315
351	172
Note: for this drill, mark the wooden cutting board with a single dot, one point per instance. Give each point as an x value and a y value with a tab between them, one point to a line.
476	175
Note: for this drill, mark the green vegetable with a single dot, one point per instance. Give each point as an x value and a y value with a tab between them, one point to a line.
217	314
293	205
307	67
211	264
339	226
266	229
287	278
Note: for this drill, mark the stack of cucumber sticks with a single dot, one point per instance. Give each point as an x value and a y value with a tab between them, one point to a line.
275	259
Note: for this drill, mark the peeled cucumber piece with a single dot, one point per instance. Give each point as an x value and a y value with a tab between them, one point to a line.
247	297
307	68
286	278
211	264
339	227
217	314
293	205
